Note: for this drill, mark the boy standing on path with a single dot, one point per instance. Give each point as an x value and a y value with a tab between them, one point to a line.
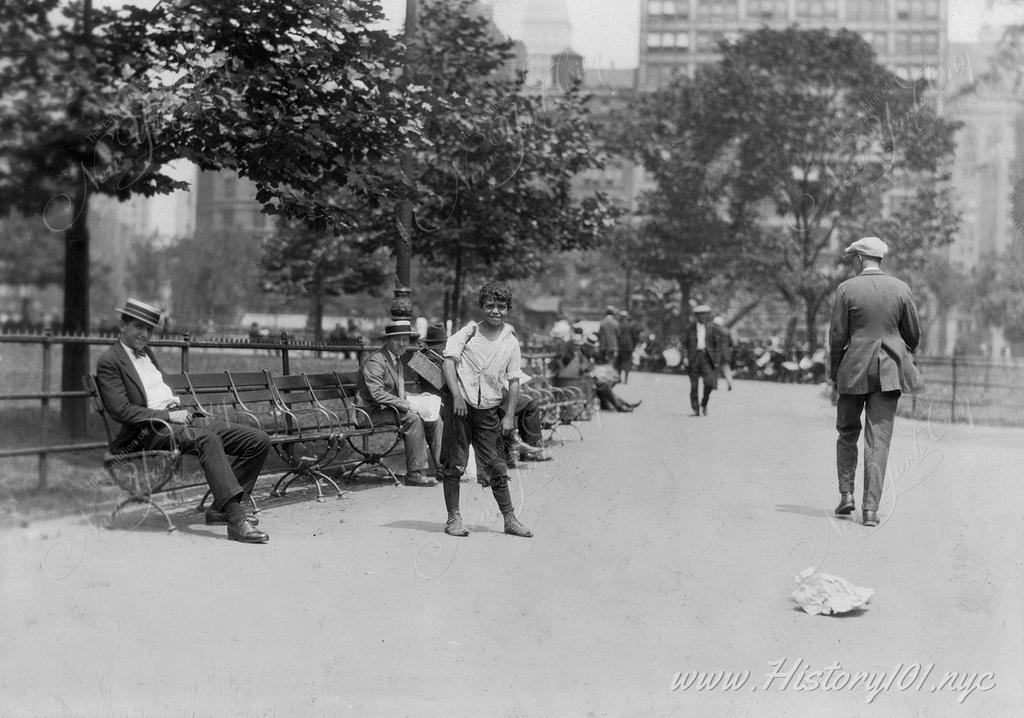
480	359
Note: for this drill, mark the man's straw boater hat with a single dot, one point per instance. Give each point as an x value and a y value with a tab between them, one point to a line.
399	328
145	313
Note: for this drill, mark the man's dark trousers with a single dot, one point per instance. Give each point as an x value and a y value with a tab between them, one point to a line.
879	409
702	370
212	443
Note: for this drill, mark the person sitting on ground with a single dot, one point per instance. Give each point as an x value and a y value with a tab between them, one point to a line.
481	359
382	385
131	385
605	378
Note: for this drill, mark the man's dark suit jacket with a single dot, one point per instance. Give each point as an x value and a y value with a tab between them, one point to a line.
874	321
712	342
123	395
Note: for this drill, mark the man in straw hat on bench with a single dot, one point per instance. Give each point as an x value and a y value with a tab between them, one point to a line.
133	390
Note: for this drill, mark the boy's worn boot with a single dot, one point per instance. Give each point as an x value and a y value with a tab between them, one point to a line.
514	528
454	526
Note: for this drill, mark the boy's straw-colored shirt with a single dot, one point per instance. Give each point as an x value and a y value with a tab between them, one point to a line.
484	367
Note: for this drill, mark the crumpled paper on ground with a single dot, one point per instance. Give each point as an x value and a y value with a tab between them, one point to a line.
824	593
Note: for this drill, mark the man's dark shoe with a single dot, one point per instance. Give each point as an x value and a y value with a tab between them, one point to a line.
246	533
416	478
870	518
846	504
704	409
220	518
695	413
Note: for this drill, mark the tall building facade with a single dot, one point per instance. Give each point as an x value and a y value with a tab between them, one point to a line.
677	36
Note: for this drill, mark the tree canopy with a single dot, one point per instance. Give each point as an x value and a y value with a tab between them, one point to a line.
770	160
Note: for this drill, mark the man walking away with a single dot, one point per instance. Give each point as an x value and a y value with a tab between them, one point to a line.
873	332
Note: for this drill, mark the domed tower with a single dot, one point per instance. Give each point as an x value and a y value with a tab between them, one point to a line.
547	34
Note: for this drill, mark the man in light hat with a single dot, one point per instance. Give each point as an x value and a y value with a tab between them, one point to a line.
134	392
703	355
873	332
382	384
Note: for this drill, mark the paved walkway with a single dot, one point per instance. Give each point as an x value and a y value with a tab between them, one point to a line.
665	545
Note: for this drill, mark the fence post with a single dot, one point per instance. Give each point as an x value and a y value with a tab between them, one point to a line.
285	367
952	402
187	337
44	410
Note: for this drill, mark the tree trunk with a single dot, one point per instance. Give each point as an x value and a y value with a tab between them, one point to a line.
457	291
743	311
787	344
684	305
318	309
75	357
811	311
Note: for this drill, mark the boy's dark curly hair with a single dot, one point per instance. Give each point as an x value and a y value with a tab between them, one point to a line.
497	292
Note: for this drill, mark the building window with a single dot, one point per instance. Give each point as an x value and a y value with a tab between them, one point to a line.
767	9
879	41
667	7
867	9
708	41
917	9
718	9
817	9
668	40
917	43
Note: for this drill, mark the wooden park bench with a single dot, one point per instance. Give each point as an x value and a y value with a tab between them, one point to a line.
337	392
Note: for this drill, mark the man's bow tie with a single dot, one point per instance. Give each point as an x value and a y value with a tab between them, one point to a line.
138	353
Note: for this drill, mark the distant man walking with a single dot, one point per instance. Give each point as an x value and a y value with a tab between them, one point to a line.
873	332
703	355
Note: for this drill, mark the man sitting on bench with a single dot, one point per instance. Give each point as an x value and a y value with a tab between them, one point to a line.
133	390
382	385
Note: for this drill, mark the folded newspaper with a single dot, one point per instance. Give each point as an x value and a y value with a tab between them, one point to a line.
823	593
428	406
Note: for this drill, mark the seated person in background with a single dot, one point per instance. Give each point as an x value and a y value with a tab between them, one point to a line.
426	365
605	377
133	390
382	384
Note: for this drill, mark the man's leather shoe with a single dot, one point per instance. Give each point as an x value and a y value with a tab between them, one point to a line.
704	410
695	413
870	518
416	478
220	518
246	533
846	505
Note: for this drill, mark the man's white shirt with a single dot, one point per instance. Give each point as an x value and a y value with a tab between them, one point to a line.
158	395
